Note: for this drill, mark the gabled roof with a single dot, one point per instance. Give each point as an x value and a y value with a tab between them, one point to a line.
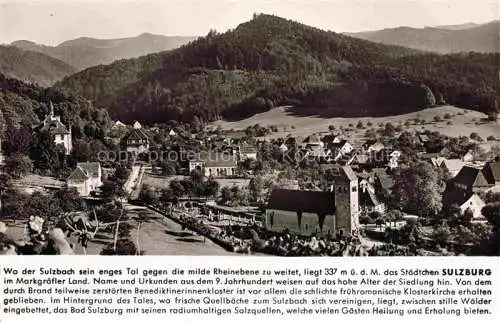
317	202
79	174
471	177
91	168
491	172
136	134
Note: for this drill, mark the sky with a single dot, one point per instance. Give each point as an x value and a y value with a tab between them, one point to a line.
51	22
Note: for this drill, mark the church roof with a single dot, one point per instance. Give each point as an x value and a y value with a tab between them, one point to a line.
318	202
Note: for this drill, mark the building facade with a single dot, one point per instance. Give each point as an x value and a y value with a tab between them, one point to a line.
87	177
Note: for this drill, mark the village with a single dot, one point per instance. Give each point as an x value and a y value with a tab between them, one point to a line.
361	190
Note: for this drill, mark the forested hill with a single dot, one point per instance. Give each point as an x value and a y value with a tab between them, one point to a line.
25	105
32	67
270	61
88	52
478	38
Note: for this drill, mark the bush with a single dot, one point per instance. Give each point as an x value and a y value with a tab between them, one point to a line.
437	118
369	123
331	127
447	116
491	138
474	136
449	123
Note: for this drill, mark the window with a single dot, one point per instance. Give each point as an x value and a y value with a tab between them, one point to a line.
340	189
354	189
306	226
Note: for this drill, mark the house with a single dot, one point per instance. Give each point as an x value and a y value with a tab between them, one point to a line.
137	125
118	125
470	179
491	172
468	157
368	201
372	146
312	140
306	213
136	141
283	147
172	133
214	164
62	135
87	177
247	152
340	149
465	200
453	166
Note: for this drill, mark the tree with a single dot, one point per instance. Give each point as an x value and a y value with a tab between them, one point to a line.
211	187
69	200
418	189
18	165
492	213
256	185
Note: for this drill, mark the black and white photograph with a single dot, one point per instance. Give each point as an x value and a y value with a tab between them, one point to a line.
286	128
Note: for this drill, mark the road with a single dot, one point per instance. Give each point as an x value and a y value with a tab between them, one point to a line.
132	179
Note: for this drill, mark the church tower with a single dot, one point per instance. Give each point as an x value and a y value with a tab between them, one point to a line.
345	188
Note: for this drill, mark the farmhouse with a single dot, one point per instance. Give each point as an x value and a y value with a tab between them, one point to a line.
136	141
334	212
87	177
470	179
53	125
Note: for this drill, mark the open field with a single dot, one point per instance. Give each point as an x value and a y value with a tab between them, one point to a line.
289	123
155	236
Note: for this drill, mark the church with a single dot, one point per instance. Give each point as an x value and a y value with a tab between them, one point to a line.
322	213
62	135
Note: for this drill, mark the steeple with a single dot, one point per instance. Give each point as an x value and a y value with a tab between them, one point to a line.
51	109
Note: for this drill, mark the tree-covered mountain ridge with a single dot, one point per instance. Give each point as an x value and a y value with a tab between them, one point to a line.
271	61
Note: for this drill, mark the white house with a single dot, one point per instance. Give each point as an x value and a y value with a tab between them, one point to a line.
475	204
87	177
172	133
62	136
214	164
340	149
136	141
